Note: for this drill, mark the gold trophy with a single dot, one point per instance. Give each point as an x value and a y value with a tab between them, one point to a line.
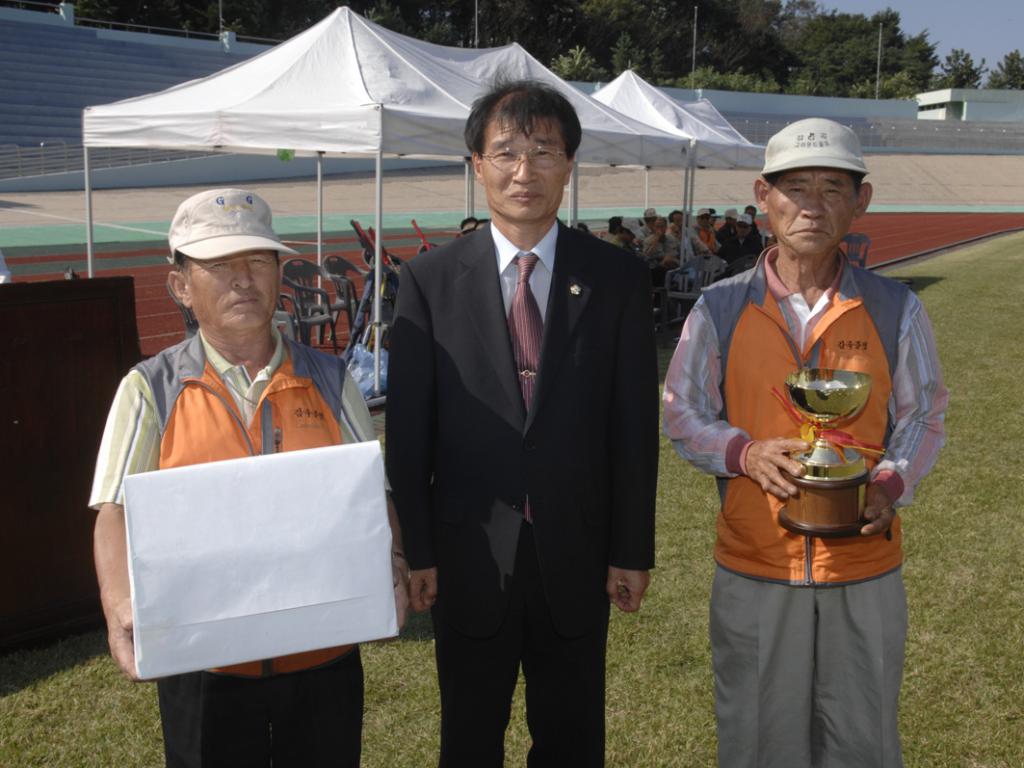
830	494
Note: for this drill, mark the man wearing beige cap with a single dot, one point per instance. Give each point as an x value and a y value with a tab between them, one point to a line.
646	228
727	231
807	633
706	230
235	389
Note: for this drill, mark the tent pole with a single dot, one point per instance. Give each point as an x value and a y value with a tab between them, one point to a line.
574	179
686	192
88	212
378	270
693	174
647	187
319	216
470	189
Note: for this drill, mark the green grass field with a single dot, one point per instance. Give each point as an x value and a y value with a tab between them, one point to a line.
963	694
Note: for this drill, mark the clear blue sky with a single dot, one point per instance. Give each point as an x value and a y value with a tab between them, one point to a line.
987	29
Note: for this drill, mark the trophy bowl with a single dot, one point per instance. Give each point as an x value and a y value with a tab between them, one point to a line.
828	395
830	493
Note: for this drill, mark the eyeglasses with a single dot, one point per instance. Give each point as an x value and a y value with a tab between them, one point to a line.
508	159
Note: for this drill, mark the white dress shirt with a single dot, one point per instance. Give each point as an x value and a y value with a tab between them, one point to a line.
508	272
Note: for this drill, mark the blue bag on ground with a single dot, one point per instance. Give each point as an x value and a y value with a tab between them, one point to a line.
360	365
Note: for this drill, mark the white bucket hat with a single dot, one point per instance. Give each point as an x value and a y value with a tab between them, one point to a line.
814	143
222	222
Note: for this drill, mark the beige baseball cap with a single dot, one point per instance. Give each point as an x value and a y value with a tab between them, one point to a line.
703	212
744	218
222	222
814	143
650	213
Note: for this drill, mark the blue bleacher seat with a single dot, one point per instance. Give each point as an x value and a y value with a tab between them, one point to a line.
49	73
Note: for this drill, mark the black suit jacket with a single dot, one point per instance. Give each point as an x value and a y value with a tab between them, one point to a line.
462	453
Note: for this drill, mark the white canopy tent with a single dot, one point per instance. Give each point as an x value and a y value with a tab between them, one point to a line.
347	86
714	142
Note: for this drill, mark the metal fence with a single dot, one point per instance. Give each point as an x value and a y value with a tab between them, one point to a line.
57	156
910	136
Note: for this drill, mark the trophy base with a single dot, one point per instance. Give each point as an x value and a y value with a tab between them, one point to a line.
825	508
822	531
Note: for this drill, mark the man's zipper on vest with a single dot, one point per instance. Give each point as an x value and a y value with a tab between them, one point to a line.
230	410
808	560
270	436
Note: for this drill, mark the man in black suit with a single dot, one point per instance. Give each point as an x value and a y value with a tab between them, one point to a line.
522	444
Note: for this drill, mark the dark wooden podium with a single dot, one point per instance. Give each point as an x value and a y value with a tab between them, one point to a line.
64	347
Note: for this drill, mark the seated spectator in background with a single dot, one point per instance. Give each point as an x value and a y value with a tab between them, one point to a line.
467	225
706	231
647	229
741	252
620	235
728	229
661	251
582	227
675	224
692	245
5	273
751	211
614	228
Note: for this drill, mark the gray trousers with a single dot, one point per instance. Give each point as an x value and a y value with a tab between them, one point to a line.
807	677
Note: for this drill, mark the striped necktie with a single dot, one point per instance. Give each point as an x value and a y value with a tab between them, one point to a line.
524	328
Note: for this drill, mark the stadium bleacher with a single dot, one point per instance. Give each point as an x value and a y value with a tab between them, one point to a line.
49	73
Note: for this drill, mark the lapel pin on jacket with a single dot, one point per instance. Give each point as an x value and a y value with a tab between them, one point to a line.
575	289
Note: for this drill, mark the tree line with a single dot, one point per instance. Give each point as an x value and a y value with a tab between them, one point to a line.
771	46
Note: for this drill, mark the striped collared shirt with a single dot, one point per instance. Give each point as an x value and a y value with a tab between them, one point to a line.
693	396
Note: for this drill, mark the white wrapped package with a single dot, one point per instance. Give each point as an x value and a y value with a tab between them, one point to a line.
253	558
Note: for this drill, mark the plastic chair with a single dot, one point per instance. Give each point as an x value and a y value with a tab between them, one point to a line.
311	306
342	273
684	284
189	318
857	246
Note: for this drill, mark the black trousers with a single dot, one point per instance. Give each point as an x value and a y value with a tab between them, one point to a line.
564	682
303	719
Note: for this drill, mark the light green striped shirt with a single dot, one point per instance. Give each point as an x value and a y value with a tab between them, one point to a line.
131	438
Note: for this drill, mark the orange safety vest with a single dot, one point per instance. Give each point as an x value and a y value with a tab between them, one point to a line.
200	422
858	332
707	236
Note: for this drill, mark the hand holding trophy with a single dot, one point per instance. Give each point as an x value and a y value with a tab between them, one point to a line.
830	494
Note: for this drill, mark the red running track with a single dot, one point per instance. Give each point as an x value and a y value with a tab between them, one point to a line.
894	236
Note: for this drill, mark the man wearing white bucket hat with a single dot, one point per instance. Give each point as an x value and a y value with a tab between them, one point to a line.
807	633
233	390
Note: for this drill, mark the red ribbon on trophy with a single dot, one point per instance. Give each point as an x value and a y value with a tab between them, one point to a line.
809	432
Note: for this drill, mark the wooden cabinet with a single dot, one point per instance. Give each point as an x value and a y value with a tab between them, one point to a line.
64	346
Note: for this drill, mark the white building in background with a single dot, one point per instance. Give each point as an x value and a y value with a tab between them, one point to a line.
978	105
